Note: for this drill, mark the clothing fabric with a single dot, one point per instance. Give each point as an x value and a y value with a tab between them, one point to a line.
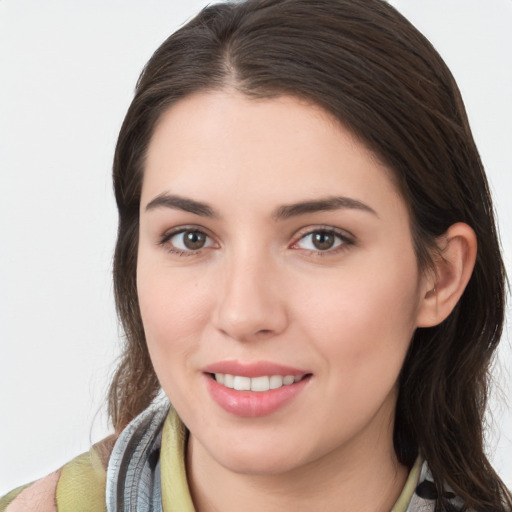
151	451
133	476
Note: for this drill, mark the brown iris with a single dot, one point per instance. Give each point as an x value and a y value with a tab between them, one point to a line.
323	240
194	240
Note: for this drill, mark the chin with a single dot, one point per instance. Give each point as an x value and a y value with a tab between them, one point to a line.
261	457
260	465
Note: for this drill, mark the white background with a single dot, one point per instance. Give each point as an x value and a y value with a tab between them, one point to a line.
67	73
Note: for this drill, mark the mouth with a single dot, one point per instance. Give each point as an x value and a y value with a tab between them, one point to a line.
254	389
257	384
261	390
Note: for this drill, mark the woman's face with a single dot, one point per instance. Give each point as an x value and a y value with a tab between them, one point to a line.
274	248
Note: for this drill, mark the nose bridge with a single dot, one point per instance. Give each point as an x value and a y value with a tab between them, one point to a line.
249	302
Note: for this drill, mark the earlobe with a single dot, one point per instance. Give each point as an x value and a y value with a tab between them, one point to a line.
453	268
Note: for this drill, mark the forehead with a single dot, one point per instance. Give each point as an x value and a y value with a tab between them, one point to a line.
219	142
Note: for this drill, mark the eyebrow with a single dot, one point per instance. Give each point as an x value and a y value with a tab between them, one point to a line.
181	203
321	205
281	213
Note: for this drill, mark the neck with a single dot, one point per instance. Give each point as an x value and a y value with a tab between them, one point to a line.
363	477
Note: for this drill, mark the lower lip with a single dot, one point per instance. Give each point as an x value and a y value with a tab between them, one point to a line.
253	404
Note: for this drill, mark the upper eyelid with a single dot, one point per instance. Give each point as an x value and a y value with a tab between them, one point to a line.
169	233
343	233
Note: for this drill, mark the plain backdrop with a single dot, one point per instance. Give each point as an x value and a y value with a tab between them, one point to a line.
67	73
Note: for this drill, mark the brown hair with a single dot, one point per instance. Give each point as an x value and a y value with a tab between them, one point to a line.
367	65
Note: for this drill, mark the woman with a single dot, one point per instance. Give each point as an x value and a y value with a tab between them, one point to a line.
307	265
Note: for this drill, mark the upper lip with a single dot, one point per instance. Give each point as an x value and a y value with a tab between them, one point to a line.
255	369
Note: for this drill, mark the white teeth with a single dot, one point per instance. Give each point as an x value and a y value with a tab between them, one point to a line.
229	381
242	383
276	381
263	383
260	384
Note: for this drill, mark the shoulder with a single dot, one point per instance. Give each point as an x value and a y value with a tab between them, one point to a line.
78	485
38	496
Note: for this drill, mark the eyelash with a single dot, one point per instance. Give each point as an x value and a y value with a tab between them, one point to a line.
164	240
345	238
342	236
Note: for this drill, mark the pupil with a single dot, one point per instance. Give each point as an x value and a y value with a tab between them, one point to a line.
323	241
194	240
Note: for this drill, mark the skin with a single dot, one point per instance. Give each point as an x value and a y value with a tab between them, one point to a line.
259	290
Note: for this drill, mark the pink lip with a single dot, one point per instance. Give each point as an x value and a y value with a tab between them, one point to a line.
257	369
253	404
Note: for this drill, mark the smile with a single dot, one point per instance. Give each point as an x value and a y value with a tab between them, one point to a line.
258	384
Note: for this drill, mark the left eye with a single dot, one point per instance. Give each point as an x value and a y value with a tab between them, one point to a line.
190	240
320	240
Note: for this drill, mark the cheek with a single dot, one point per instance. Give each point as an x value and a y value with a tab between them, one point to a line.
173	309
364	319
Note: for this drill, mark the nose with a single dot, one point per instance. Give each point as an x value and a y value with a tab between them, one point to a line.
251	303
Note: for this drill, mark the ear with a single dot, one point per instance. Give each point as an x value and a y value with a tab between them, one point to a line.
453	266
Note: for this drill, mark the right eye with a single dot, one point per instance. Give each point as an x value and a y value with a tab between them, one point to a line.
186	241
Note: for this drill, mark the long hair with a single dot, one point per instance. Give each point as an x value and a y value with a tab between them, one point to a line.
367	65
